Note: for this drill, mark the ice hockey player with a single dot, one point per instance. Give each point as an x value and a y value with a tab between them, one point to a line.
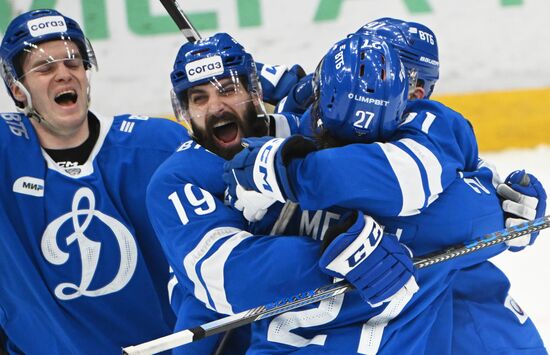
361	97
82	270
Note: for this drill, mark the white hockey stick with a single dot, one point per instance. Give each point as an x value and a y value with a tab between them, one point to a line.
221	325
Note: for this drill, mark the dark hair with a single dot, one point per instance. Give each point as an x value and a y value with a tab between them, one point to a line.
322	136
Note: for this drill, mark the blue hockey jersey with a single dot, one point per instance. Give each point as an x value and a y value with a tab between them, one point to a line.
229	269
82	271
390	179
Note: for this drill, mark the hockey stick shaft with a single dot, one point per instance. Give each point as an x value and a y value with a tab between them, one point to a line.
176	13
319	294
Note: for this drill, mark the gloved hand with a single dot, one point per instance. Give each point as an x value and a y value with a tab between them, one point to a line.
261	167
299	97
376	264
278	81
523	199
252	204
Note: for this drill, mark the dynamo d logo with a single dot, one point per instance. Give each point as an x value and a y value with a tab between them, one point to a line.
89	250
46	25
204	68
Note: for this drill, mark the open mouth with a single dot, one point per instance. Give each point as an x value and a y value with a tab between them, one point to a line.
226	132
66	98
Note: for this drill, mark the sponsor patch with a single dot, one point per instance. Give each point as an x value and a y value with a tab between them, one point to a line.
28	185
512	305
204	68
429	61
47	24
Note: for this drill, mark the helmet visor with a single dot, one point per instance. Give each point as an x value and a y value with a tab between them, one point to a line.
45	57
229	93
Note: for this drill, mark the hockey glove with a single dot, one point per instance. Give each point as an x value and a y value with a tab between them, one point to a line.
261	167
299	98
524	199
252	204
376	264
277	81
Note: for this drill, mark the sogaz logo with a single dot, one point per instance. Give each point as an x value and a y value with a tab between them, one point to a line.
47	24
204	68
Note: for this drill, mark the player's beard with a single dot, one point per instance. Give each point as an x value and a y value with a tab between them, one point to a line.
250	125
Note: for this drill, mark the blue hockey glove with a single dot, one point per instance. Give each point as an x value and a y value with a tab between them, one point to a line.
277	80
524	199
261	167
376	264
299	98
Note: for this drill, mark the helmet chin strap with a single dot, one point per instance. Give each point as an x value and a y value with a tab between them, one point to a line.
28	109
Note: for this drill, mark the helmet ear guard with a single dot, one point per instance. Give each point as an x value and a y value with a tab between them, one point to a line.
361	90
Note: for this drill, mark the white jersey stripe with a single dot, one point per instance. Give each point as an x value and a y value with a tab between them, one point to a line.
430	163
282	128
171	284
213	275
196	255
408	176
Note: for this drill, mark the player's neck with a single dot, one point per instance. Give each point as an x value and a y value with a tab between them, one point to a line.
54	138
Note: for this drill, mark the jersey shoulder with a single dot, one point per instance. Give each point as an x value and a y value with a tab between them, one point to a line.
134	131
423	107
14	127
191	164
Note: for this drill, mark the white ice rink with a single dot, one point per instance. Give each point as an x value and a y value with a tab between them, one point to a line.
528	269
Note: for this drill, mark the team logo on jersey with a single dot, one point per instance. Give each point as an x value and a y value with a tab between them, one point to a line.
204	68
513	306
89	249
31	186
47	24
71	168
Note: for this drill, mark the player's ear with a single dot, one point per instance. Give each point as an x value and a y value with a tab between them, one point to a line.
418	93
18	93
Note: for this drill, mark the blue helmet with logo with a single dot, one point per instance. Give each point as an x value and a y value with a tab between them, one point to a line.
417	46
25	33
206	61
360	90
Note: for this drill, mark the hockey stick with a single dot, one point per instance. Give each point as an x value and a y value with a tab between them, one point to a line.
284	217
286	304
181	20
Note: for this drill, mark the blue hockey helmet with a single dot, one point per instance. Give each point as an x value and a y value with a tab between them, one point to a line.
360	89
208	60
417	46
24	35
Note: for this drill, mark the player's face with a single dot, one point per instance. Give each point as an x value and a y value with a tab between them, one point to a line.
55	77
222	113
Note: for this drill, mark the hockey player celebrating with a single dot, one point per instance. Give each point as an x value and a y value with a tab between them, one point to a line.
360	97
207	243
82	271
483	289
481	292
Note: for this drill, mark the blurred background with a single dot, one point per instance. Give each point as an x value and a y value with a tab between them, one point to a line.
494	55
